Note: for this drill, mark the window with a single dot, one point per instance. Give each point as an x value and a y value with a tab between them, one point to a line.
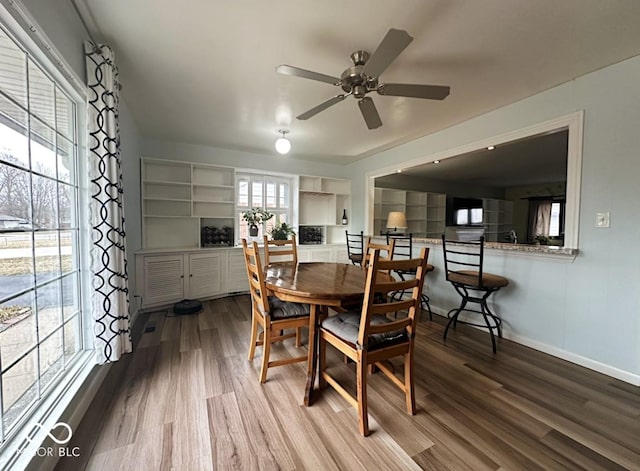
40	297
270	192
556	220
468	216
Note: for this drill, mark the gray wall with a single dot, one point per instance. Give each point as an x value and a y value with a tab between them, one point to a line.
585	310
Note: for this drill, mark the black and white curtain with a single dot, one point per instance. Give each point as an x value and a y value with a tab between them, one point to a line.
110	297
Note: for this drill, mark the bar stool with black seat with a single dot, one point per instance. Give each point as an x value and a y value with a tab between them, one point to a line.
463	265
355	247
403	248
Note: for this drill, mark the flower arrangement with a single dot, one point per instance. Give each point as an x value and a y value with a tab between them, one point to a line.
254	217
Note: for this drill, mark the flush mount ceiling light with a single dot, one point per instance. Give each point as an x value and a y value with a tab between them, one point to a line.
283	145
491	147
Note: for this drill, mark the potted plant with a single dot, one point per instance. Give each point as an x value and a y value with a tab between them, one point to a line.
282	231
541	239
255	217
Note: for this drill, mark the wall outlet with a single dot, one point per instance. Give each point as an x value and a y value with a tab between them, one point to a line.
602	219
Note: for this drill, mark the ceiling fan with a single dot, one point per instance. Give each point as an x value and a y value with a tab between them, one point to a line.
362	78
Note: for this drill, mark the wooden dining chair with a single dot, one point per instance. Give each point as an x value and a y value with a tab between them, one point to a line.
280	251
403	248
386	250
270	313
369	337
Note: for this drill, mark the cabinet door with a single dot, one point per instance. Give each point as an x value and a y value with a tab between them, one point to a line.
315	254
163	279
205	275
342	255
237	274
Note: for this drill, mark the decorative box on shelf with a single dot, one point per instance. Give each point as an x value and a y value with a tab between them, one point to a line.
215	237
310	235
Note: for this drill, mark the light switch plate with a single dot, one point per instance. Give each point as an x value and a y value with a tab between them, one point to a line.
602	219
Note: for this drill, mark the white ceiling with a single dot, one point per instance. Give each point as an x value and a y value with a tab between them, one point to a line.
203	71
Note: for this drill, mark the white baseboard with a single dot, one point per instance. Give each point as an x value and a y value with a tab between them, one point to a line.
594	365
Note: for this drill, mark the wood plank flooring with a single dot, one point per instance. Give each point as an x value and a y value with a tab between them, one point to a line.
188	399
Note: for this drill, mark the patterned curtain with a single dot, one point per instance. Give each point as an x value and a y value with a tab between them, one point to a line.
110	300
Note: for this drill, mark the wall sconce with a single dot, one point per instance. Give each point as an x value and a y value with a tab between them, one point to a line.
283	145
396	220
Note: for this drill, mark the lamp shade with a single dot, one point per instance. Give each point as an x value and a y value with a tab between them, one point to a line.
396	220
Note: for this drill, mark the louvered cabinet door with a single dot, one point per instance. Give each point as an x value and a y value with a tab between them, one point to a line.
237	276
163	279
205	275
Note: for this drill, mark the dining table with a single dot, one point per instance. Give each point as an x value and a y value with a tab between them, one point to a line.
322	285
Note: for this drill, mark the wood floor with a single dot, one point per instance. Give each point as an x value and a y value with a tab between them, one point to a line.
188	399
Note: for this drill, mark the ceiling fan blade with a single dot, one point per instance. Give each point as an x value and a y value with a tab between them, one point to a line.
370	113
431	92
391	46
321	107
298	72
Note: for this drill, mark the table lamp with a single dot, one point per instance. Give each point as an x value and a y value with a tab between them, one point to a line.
397	220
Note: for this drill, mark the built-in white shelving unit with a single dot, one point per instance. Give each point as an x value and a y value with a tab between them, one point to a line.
179	198
322	202
497	219
425	211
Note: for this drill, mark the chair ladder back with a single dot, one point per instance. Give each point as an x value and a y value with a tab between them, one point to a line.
386	248
403	245
463	255
280	248
255	275
378	268
355	243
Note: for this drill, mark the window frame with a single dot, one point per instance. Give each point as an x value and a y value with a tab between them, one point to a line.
573	122
55	398
281	213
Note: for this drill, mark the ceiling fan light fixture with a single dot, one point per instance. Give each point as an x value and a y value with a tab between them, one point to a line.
283	145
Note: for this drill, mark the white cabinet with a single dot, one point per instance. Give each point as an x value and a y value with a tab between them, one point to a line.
322	203
315	254
162	279
425	211
171	277
237	273
205	275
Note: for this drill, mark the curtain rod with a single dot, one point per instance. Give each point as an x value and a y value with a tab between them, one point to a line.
96	48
